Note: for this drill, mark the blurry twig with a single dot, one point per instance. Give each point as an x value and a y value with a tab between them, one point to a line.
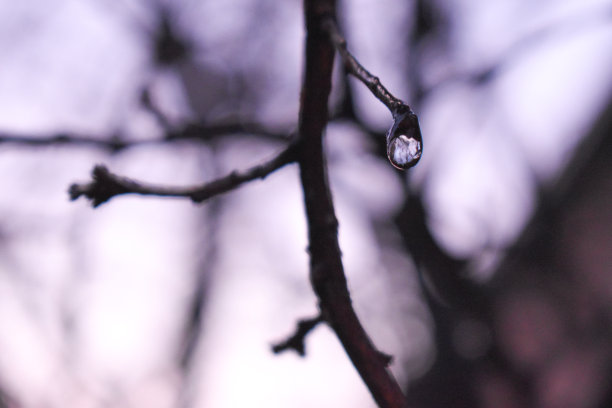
6	400
404	139
192	131
106	185
112	143
296	341
557	30
446	281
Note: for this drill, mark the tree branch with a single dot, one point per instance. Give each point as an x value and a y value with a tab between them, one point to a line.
296	341
112	143
404	140
354	68
106	185
197	131
326	269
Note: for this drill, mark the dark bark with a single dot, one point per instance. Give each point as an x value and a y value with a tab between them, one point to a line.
326	269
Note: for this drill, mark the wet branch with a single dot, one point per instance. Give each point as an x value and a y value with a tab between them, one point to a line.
354	68
296	341
326	269
106	185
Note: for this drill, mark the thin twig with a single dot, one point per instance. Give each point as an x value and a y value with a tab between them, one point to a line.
106	185
354	68
404	139
326	269
112	143
296	341
195	131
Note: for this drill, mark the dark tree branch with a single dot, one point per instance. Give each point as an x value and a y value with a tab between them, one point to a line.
113	143
196	131
106	185
446	279
404	140
296	341
354	68
326	269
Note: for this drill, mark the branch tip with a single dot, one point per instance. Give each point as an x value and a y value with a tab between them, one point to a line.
296	341
354	68
105	184
102	188
326	269
387	359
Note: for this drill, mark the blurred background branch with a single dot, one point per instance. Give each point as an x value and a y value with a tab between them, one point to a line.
296	341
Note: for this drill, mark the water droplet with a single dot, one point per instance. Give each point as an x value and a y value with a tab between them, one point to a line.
404	141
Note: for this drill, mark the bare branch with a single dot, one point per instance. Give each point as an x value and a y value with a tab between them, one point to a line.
112	143
404	140
197	131
326	269
106	185
354	68
296	342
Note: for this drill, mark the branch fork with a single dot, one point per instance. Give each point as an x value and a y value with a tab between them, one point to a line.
106	185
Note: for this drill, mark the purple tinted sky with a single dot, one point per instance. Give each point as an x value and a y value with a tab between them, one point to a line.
120	276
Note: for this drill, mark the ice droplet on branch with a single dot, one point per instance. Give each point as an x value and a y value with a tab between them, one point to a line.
404	141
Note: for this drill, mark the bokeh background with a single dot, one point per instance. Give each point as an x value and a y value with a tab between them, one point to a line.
486	271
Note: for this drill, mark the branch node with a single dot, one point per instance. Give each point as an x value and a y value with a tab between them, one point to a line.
296	342
101	189
386	359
